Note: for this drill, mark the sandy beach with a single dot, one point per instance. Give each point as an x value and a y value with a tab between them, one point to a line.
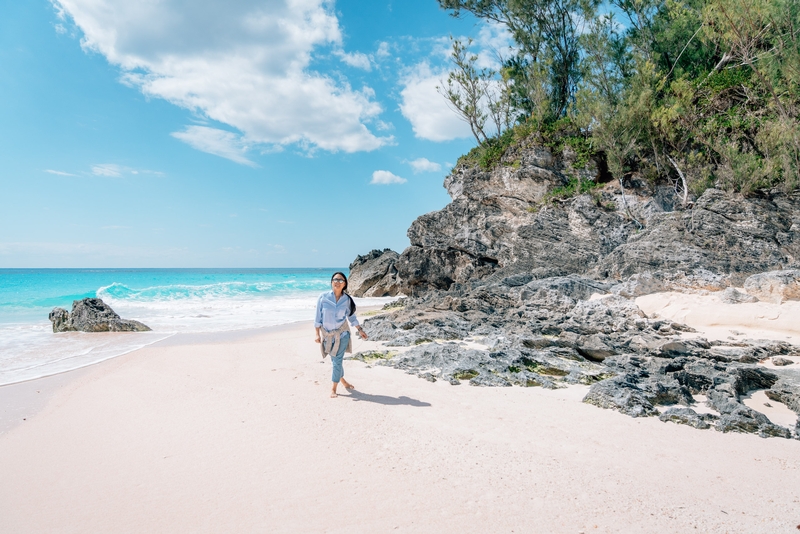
236	433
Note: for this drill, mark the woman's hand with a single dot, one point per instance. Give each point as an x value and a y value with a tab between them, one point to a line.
317	340
362	333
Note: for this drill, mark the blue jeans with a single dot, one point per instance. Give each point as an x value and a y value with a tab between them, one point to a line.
336	361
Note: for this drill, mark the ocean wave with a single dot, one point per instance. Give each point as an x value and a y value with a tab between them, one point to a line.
219	290
184	302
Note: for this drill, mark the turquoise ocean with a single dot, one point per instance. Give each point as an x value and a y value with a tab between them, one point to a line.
167	300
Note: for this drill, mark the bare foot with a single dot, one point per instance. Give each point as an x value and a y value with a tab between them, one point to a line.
347	385
334	394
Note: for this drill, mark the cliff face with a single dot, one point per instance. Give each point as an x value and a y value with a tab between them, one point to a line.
496	226
544	282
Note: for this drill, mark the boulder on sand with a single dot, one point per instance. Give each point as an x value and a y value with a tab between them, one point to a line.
92	315
774	286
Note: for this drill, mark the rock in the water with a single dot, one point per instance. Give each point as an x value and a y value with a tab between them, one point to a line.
374	275
781	361
774	286
60	319
92	315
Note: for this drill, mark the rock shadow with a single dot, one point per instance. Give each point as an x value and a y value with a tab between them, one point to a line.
386	400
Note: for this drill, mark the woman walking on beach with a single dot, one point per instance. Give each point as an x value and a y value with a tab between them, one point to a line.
335	309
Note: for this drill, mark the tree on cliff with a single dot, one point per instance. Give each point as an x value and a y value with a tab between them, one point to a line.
697	92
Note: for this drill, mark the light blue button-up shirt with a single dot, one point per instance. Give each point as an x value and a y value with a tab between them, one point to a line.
331	314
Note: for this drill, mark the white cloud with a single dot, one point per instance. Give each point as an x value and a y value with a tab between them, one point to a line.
244	64
426	109
383	50
59	173
355	59
214	141
385	178
424	165
107	169
117	171
493	43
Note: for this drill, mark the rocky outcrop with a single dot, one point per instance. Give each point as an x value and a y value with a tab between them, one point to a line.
725	234
500	224
774	286
732	296
92	315
517	283
374	274
575	330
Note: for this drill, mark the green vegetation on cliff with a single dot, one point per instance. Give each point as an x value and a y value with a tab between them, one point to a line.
695	92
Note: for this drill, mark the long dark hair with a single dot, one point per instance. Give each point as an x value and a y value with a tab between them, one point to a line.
344	290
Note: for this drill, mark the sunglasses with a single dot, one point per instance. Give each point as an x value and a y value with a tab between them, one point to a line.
338	281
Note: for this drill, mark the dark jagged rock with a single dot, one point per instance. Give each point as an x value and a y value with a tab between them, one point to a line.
746	420
622	395
60	319
374	274
725	234
544	333
687	416
787	390
497	227
503	365
546	288
92	315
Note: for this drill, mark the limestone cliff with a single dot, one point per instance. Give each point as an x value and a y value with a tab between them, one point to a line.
543	280
506	221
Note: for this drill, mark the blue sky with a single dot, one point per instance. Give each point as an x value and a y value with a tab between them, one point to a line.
221	133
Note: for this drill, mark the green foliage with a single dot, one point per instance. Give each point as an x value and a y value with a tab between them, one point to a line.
592	379
697	93
467	374
563	133
487	155
546	64
374	355
574	187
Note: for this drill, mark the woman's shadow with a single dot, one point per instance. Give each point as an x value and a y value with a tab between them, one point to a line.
385	400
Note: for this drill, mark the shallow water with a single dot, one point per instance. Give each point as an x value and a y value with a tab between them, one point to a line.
167	300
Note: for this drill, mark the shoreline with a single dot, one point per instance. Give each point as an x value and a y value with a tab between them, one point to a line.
22	400
237	433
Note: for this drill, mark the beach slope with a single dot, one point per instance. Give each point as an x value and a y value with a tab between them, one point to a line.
236	433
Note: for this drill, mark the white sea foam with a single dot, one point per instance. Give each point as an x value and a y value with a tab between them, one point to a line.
31	350
206	313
